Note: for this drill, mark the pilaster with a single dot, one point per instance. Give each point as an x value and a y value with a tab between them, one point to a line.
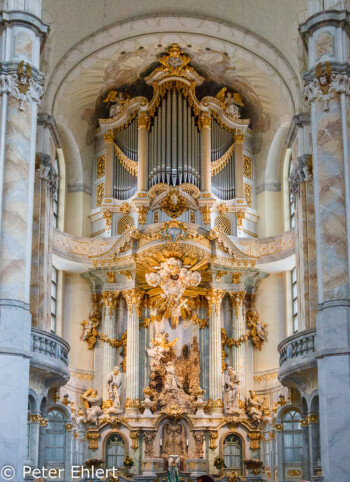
237	299
109	327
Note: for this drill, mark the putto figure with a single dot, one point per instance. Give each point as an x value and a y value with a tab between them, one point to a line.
173	278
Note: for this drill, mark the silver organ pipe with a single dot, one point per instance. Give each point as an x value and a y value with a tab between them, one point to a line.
125	184
174	147
174	150
223	183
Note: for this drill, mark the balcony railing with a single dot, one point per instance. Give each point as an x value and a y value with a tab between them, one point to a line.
297	345
50	345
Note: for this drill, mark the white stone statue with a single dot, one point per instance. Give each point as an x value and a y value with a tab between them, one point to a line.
254	407
231	388
172	382
114	383
93	405
260	331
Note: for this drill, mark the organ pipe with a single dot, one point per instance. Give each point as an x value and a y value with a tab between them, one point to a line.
174	150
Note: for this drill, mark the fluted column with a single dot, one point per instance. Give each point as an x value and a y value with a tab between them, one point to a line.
142	178
133	298
206	154
21	33
239	140
328	88
237	298
109	327
215	297
109	166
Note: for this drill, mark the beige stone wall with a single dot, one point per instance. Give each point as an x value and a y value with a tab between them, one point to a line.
270	211
270	304
78	206
76	308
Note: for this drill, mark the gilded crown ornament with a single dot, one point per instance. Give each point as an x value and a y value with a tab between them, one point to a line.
174	61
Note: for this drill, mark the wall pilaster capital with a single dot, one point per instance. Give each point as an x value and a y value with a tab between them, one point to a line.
302	172
325	81
46	171
21	82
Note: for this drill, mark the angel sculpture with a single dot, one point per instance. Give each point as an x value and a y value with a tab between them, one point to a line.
116	98
173	278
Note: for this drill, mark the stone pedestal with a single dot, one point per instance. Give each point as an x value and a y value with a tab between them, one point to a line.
150	466
196	467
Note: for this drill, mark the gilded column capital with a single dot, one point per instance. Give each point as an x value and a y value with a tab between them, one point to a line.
143	121
239	138
110	299
133	297
237	298
214	297
206	121
109	136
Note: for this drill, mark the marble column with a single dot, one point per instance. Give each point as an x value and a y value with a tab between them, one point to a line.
41	274
142	153
327	87
239	352
109	329
214	298
133	298
21	34
206	154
